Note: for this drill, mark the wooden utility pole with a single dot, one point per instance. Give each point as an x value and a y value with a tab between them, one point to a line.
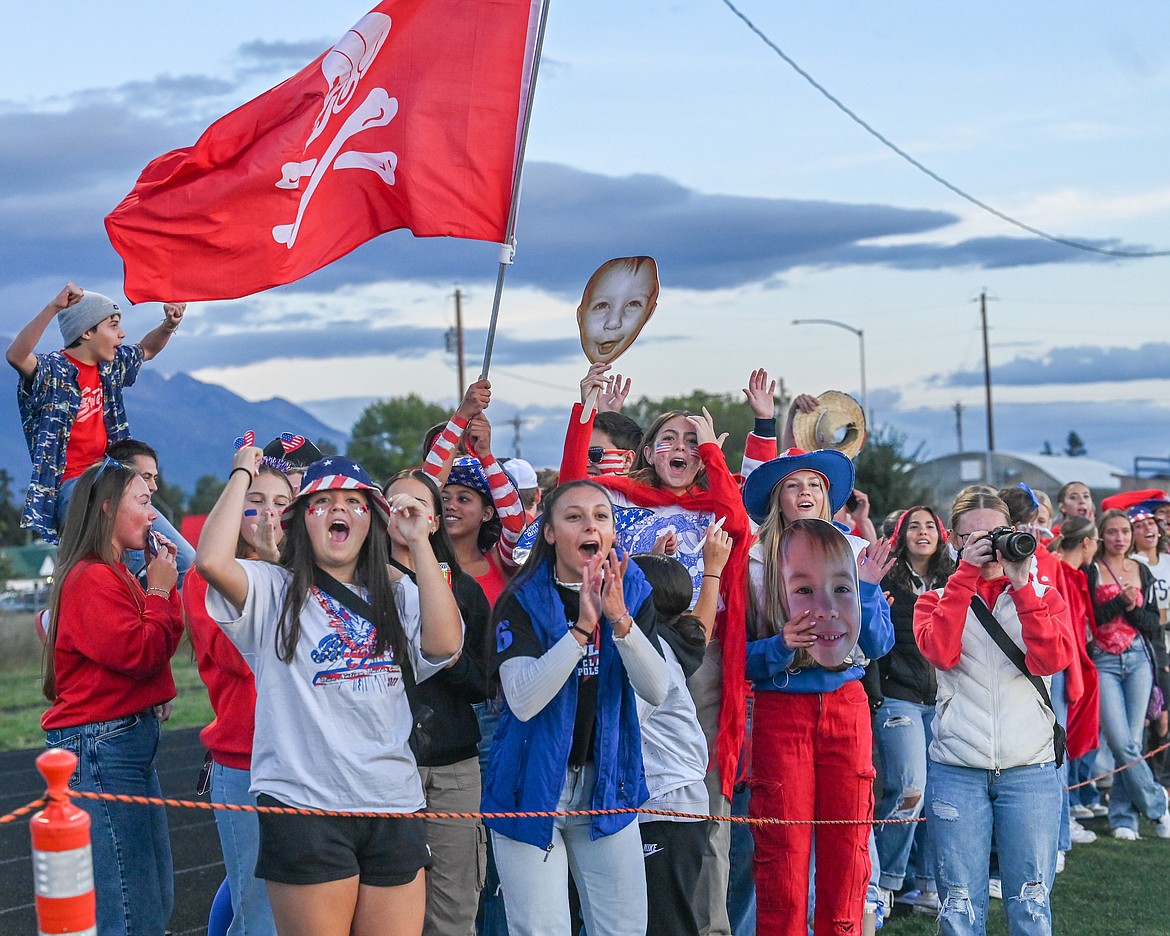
459	341
987	372
959	423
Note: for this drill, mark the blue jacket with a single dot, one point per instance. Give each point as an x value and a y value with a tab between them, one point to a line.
528	760
48	403
768	659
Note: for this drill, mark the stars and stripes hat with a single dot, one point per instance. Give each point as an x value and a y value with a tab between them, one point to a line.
337	474
468	472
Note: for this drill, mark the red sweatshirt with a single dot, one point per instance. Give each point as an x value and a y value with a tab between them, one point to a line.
939	621
230	684
114	647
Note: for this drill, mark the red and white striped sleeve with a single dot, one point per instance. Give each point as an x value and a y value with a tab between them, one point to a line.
506	500
438	460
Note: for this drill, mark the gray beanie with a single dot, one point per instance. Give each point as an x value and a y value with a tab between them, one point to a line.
88	312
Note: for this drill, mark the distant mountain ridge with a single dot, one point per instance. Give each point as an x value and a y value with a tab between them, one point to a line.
192	424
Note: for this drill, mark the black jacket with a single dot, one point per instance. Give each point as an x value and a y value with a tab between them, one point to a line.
905	672
1144	618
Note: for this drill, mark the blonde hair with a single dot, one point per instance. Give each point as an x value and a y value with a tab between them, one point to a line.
969	500
768	611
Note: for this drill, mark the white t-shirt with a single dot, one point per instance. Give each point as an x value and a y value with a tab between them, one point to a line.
674	750
333	724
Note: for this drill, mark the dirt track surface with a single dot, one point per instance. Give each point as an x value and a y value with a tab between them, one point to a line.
198	863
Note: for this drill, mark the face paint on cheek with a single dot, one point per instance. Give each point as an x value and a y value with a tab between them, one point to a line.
660	447
251	512
359	511
317	511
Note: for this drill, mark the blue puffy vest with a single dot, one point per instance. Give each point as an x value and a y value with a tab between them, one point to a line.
528	761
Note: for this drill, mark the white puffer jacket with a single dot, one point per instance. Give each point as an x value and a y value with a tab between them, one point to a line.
988	715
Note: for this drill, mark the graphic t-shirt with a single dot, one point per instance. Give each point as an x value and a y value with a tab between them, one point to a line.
87	438
332	724
523	642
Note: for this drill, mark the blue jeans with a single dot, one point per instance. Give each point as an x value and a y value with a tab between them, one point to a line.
1081	769
741	886
1020	806
1126	681
902	731
239	839
1060	708
491	920
610	873
132	869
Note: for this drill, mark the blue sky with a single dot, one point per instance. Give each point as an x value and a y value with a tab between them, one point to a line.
668	128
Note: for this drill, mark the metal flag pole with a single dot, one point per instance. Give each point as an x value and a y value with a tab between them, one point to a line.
508	247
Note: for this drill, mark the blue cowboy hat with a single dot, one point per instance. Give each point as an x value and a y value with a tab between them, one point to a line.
833	466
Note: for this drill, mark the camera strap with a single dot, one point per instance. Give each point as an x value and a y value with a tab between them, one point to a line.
1016	655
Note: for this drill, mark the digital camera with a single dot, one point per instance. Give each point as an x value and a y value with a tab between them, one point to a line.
1013	545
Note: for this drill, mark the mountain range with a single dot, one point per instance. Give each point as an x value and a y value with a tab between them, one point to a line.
193	426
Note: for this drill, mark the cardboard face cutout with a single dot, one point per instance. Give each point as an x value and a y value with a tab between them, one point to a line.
818	578
618	300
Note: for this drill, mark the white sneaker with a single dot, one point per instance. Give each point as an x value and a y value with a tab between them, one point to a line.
1059	862
1162	826
1079	835
927	902
1080	811
1099	810
995	888
1125	835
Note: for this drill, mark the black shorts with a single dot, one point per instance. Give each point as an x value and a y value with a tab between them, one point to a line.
383	852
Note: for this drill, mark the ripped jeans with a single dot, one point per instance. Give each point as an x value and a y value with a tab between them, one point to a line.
902	731
1020	806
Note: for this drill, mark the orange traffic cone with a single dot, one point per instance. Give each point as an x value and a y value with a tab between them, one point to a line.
62	859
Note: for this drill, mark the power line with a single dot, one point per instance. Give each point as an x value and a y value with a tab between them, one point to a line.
877	135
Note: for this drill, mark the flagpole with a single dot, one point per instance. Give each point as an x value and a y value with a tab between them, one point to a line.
508	247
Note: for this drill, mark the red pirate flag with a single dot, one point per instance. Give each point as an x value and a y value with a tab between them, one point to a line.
410	120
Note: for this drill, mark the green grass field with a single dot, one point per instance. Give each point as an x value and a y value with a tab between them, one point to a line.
21	702
1109	888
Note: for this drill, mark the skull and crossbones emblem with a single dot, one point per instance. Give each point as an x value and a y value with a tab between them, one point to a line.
343	68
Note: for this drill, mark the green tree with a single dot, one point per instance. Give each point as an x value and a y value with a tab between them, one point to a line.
10	532
207	491
1074	447
326	447
169	500
388	435
883	468
729	412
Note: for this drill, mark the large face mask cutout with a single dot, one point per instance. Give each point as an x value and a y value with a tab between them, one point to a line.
818	576
618	301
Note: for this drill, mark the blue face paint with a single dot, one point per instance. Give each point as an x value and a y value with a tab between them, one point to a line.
250	512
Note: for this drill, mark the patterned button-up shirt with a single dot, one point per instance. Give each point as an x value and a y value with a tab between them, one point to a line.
49	402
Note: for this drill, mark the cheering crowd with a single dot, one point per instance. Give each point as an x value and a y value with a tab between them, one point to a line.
642	629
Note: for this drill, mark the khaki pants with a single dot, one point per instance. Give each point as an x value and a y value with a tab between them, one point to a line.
458	848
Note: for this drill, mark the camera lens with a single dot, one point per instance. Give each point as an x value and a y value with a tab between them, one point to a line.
1013	545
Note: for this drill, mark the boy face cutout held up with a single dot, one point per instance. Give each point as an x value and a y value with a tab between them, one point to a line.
618	301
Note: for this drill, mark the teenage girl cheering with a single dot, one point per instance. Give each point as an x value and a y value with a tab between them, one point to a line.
329	634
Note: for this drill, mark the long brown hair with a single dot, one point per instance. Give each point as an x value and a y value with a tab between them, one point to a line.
373	561
87	536
643	470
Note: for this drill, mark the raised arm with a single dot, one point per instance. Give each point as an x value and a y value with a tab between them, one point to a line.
21	352
505	497
216	557
438	460
440	624
156	339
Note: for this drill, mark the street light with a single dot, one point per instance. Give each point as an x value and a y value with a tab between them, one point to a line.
861	342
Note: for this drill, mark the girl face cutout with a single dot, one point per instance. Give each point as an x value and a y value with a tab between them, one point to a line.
819	579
